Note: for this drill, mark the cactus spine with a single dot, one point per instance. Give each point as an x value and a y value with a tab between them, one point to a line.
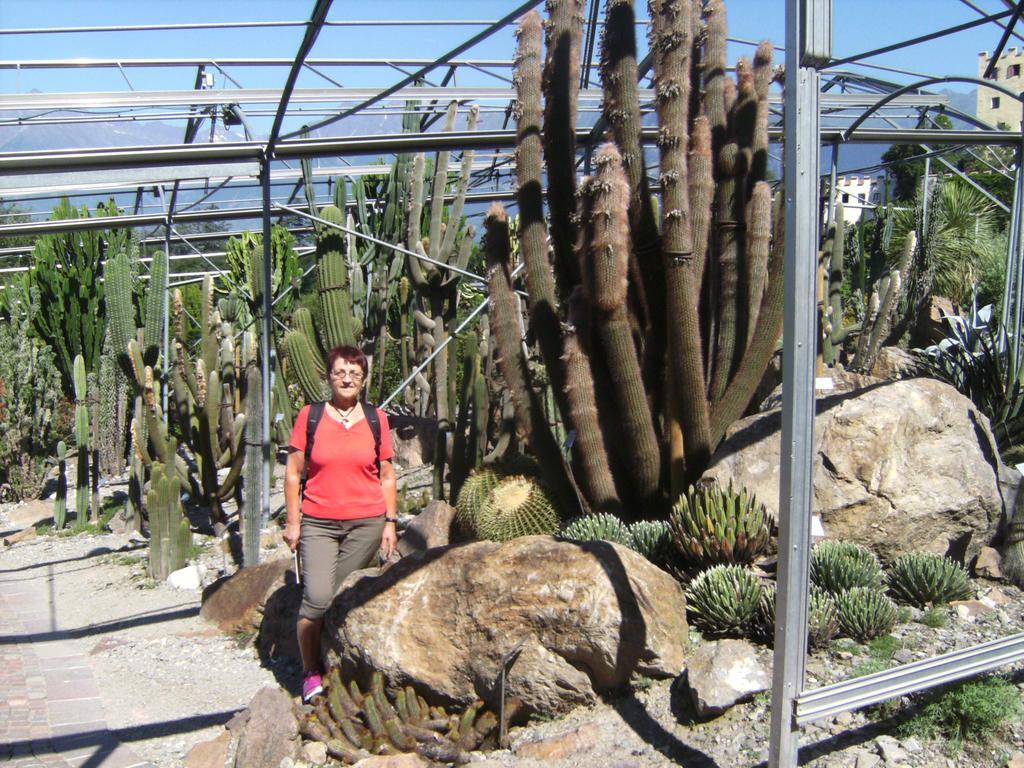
60	504
81	440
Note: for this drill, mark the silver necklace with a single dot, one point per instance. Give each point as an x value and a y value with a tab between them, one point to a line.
344	416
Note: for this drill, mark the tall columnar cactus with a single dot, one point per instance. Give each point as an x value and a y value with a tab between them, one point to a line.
169	532
882	308
252	492
60	504
657	336
834	328
82	432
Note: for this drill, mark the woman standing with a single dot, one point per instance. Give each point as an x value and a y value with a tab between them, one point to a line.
346	509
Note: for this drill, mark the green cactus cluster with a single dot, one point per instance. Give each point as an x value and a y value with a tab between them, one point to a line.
60	503
516	506
837	566
82	440
864	613
354	725
169	534
599	527
924	580
822	617
712	525
724	600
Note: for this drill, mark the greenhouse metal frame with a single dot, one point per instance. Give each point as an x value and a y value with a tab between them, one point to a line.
809	102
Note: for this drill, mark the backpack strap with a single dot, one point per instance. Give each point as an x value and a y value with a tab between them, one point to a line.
373	419
316	412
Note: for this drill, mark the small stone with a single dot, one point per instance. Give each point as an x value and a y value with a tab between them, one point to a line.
911	745
997	597
560	747
1016	760
890	750
866	759
843	718
903	656
209	754
407	760
315	752
185	578
987	564
723	673
971	609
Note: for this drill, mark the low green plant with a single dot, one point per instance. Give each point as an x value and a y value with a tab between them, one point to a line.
969	711
923	579
936	617
712	525
724	600
865	613
869	667
837	566
599	527
883	647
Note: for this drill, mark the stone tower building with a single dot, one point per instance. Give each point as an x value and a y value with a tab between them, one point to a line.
997	108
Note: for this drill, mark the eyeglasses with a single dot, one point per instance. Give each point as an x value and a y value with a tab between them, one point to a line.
353	376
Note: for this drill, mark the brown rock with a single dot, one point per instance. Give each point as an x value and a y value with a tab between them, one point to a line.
27	513
314	752
987	564
210	754
1016	760
23	535
998	597
271	733
407	760
893	363
413	440
587	616
430	528
971	609
561	747
900	467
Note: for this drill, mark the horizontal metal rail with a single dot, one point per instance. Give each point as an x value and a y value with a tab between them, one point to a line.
908	678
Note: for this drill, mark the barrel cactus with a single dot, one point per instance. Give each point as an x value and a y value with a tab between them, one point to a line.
923	579
472	495
517	506
822	617
864	613
724	600
712	525
599	527
840	565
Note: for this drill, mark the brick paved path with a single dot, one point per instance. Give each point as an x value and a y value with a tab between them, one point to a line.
50	709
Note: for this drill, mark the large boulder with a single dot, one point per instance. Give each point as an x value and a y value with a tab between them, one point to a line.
899	467
270	733
568	620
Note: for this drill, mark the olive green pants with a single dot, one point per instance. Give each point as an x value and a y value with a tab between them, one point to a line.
331	550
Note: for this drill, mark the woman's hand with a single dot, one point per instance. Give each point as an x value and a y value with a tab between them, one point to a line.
388	541
291	534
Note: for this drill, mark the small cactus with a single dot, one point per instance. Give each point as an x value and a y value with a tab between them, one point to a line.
169	532
472	495
840	565
724	600
712	525
653	540
822	617
864	613
60	504
599	527
517	506
923	579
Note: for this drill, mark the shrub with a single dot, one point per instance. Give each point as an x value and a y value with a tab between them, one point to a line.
967	711
712	525
822	617
653	540
864	613
936	618
840	565
599	527
30	407
724	600
923	579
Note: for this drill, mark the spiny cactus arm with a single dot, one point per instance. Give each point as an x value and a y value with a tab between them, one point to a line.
769	327
763	74
302	321
440	185
414	240
758	251
835	330
609	249
303	365
120	306
455	214
156	307
561	75
889	302
512	362
716	77
333	283
688	411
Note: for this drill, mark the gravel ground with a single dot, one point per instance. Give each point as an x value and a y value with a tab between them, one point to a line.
168	680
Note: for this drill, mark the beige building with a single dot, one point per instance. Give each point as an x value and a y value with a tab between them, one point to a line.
860	196
997	108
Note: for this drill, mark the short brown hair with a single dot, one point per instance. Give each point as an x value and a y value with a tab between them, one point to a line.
350	355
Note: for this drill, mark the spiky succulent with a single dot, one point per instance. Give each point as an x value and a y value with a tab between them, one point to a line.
653	540
922	579
723	600
599	527
516	506
864	613
840	565
474	493
712	525
822	617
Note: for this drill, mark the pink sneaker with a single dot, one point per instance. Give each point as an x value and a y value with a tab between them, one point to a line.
312	684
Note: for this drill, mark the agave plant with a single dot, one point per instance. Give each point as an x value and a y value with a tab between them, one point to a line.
724	600
837	566
865	613
712	525
822	617
599	527
653	540
923	579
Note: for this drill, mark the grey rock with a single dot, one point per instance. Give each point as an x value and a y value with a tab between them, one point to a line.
723	673
890	750
272	734
866	759
911	745
430	528
900	467
187	578
904	656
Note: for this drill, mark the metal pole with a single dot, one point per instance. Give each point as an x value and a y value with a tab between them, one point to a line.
799	348
267	364
1018	259
1010	296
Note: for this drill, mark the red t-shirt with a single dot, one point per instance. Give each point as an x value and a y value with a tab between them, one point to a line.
342	481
